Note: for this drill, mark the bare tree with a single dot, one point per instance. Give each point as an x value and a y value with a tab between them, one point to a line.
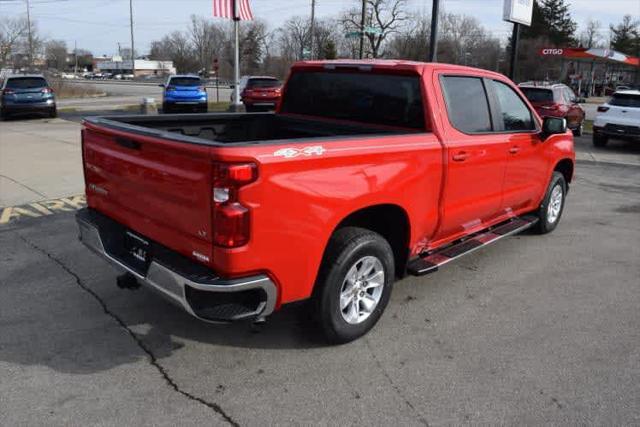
12	31
55	52
207	39
591	35
293	37
383	18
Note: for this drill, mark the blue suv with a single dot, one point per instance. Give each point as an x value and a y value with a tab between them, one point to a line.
184	93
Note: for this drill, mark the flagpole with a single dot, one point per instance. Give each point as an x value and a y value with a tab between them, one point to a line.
236	68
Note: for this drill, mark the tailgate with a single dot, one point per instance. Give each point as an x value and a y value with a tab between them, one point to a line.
156	187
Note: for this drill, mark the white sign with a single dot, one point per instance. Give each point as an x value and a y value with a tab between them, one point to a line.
116	58
518	11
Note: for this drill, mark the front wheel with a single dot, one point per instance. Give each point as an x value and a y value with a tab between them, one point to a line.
579	130
354	284
552	206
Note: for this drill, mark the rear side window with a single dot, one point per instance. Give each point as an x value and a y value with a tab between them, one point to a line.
262	83
625	100
26	83
392	100
516	116
467	104
537	95
185	81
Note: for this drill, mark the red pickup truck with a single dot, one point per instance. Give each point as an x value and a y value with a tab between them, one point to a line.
368	171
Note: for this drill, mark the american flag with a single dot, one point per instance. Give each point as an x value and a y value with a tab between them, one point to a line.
224	9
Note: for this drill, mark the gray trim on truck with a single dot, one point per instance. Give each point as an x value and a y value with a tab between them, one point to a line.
186	290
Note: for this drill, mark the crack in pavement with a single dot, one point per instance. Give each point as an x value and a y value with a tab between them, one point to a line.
152	358
393	384
23	185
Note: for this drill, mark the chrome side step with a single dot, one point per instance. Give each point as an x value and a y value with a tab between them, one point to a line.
430	262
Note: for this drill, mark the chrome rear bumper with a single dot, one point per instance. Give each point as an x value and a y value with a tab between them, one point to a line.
204	296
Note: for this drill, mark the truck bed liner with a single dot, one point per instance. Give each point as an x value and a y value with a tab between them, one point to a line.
224	129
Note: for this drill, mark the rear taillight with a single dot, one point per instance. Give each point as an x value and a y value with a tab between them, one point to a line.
231	219
47	90
201	89
603	109
171	88
8	92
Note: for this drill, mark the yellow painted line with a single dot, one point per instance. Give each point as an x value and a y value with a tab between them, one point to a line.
42	209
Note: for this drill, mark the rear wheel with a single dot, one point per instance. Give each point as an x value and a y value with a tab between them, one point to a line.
599	140
53	113
550	211
354	284
166	109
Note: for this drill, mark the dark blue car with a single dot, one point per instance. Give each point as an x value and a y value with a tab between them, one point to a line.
184	94
26	94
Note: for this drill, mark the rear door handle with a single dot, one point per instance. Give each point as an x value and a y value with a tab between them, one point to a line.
460	156
514	150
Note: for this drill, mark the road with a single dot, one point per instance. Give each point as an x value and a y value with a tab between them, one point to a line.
533	330
126	93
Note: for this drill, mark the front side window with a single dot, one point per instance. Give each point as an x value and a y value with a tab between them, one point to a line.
467	104
516	116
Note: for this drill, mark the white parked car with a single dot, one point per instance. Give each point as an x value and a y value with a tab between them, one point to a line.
618	118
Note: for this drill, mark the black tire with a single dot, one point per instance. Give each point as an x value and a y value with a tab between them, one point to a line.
249	108
53	113
599	140
548	222
579	130
166	109
346	250
3	114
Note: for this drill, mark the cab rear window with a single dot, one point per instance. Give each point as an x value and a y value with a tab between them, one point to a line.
26	83
391	100
625	100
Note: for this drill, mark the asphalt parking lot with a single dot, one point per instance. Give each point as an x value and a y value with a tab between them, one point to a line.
532	330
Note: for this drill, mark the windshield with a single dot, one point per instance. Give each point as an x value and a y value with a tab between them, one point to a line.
185	81
625	100
26	83
392	100
537	95
263	83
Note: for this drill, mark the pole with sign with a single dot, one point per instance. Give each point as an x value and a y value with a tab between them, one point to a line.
519	12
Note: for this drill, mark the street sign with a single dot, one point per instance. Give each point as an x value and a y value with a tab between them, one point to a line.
518	11
372	30
353	34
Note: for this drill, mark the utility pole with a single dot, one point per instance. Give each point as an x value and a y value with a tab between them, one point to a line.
362	19
313	24
515	38
30	35
236	57
433	43
75	56
133	49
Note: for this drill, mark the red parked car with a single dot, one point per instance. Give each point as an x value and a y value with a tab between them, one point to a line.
556	100
260	92
368	171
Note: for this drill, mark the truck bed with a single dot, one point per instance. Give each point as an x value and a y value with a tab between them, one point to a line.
238	128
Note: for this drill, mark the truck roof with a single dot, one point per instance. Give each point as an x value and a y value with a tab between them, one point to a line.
389	64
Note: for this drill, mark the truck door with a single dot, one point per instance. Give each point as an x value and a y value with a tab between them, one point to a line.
524	180
475	158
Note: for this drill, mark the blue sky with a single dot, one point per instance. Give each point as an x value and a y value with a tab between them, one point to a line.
98	25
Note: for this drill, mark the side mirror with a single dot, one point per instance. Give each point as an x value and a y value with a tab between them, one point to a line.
161	85
553	126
